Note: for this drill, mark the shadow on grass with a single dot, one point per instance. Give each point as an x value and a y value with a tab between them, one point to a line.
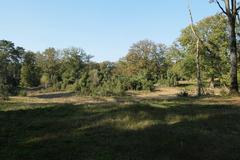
55	95
117	132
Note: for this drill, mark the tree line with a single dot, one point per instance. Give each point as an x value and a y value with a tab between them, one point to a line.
146	65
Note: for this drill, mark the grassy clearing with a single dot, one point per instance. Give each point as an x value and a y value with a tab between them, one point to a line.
186	128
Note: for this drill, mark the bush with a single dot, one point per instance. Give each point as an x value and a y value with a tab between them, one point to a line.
163	83
93	83
57	86
168	82
135	84
88	87
22	93
225	80
183	93
138	83
112	88
4	93
224	92
148	85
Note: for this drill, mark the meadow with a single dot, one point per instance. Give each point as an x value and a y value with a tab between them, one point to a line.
171	95
153	126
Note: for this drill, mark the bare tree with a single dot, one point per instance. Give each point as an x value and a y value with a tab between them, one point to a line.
198	67
231	11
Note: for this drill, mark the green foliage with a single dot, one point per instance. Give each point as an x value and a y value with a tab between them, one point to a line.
84	85
164	83
110	88
10	66
99	80
89	84
30	72
45	80
4	91
22	93
143	55
143	66
213	49
225	80
146	64
143	81
187	67
73	63
49	62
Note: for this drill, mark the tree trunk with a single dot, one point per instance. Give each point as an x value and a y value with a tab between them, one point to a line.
212	82
233	55
198	69
199	82
231	11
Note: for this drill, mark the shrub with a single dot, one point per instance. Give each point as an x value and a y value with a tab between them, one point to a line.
135	84
163	83
88	86
148	85
4	93
57	86
112	88
170	82
22	93
93	83
224	92
139	83
183	93
225	80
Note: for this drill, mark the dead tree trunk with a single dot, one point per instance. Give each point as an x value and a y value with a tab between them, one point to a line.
198	67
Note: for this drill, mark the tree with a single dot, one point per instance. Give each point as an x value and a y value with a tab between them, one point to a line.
144	55
49	62
30	76
3	75
45	80
211	34
142	67
10	57
105	71
231	11
178	64
73	64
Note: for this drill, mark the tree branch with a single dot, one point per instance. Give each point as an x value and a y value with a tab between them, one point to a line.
228	9
238	8
234	7
221	7
195	33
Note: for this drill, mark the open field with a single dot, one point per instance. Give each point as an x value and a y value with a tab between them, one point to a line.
120	80
63	126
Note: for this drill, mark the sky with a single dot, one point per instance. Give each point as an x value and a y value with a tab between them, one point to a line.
103	28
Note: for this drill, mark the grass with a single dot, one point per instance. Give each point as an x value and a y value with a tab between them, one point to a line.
166	129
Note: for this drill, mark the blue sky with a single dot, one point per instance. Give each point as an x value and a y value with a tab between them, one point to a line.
104	28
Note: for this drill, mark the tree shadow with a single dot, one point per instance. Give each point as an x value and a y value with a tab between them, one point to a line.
138	131
55	95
